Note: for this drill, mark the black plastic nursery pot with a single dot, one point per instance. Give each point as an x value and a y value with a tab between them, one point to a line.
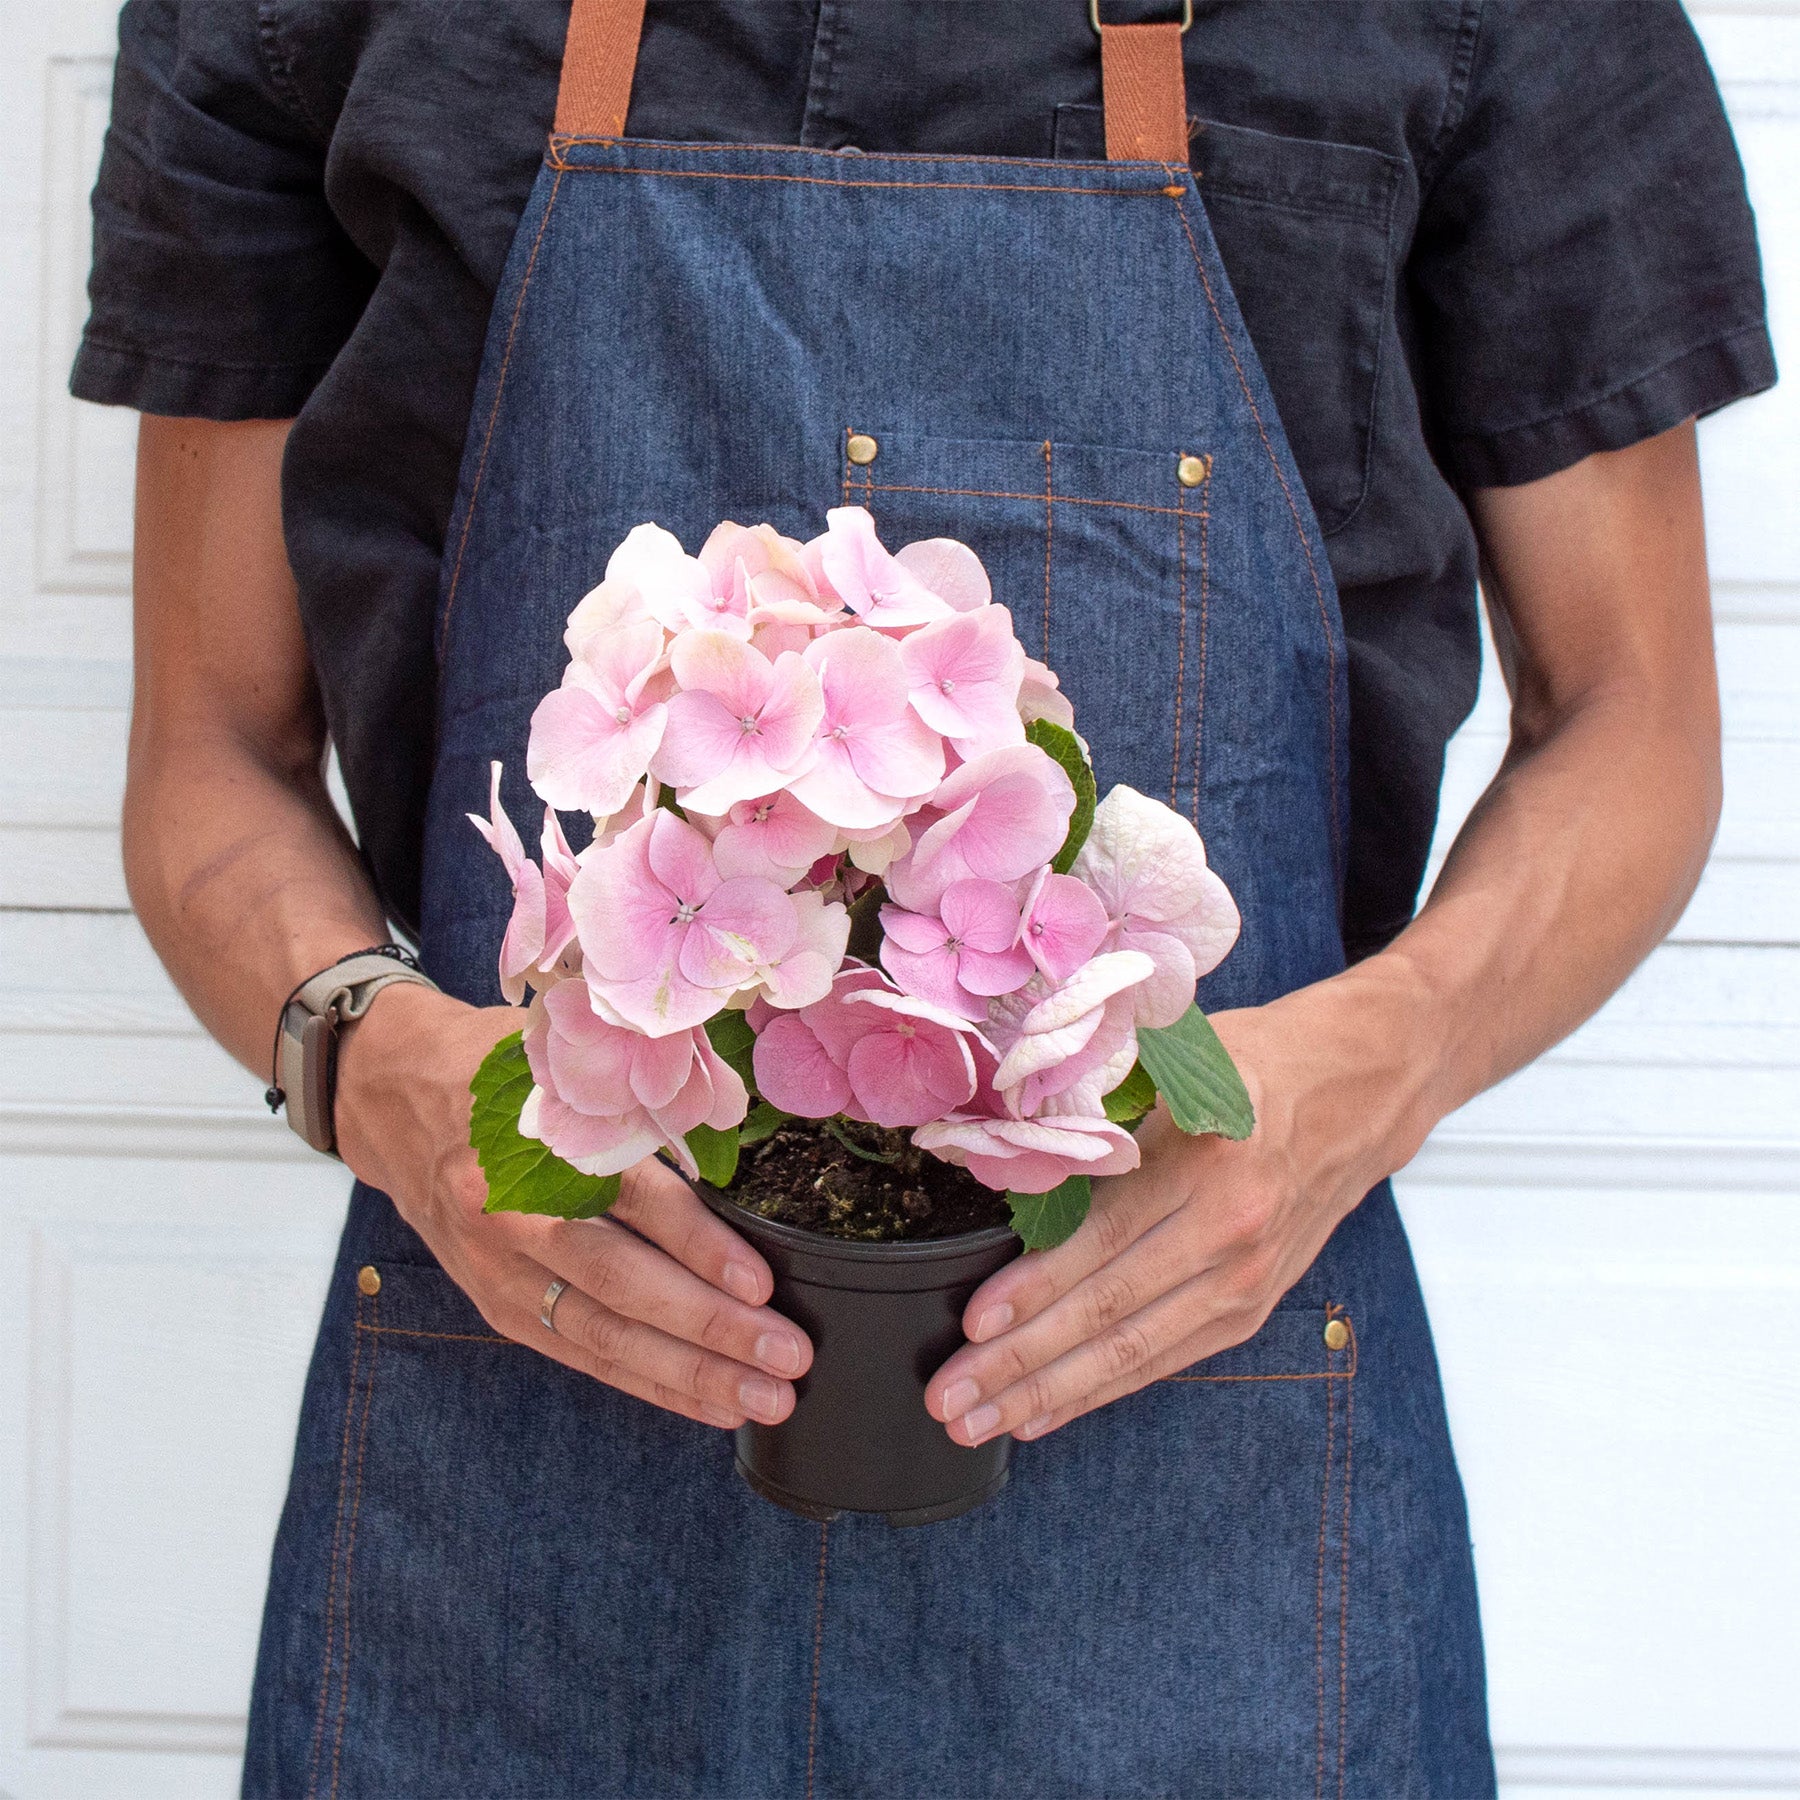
883	1319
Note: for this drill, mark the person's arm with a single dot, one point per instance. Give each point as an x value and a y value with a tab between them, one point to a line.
1579	858
246	884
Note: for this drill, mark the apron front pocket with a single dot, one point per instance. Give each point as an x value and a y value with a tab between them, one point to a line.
1304	228
1100	553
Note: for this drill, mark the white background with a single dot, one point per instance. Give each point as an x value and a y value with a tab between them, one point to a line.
1610	1242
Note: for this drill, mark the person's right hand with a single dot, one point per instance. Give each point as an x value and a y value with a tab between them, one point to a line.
673	1309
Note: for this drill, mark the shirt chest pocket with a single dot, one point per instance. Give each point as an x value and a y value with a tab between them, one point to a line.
1304	228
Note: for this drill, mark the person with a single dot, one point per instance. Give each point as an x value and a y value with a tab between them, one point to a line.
1494	258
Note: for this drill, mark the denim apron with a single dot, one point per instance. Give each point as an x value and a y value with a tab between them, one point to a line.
1251	1580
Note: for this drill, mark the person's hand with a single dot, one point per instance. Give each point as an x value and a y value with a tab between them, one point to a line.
673	1309
1187	1254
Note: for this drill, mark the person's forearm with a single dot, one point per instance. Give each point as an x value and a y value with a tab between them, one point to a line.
1579	857
237	864
244	882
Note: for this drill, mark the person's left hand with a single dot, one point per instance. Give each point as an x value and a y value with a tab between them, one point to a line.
1188	1254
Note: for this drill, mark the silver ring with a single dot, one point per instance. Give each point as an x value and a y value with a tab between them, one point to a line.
547	1306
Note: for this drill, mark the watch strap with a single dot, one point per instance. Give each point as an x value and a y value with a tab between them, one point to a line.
306	1037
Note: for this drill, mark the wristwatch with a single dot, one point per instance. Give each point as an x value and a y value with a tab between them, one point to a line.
304	1077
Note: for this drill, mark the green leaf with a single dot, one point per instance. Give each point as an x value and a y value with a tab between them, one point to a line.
1046	1220
522	1174
665	798
1194	1072
764	1121
1060	743
1132	1098
716	1152
733	1040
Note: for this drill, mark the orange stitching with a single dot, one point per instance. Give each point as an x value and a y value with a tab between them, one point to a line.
337	1529
512	331
1180	650
1319	1602
978	187
1049	526
452	1337
1344	1573
1293	509
1069	164
1319	1375
812	1718
997	494
1200	648
362	1444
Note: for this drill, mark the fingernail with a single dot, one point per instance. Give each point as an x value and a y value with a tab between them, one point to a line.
980	1423
1033	1427
959	1396
759	1397
741	1282
776	1350
992	1322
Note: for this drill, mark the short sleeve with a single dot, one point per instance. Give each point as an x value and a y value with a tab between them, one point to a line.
1585	272
222	287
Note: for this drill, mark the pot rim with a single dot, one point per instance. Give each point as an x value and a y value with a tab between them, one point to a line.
858	1250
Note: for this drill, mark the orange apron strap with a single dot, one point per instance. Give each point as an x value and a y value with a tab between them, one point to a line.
599	61
1144	93
1143	88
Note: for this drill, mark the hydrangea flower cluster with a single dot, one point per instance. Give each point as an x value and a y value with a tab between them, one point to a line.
776	741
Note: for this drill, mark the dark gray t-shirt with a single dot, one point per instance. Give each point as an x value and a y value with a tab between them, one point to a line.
1474	241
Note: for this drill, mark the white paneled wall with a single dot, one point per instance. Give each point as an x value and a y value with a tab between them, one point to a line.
1611	1242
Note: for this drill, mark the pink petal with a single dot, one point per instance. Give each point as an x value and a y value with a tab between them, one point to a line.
964	674
661	1067
981	914
701	736
950	570
919	933
904	758
680	858
580	755
988	973
832	788
714	662
792	712
931	975
906	1079
745	923
794	1072
1064	925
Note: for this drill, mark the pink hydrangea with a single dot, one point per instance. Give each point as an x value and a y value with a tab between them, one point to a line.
1147	866
868	1052
1000	817
740	726
763	731
540	927
592	738
666	940
607	1096
873	755
962	955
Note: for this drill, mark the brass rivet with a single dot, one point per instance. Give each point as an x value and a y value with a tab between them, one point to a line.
1337	1334
368	1278
861	449
1192	470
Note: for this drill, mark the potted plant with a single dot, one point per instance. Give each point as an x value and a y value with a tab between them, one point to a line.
855	945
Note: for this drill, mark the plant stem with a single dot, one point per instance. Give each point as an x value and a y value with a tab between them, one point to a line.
856	1149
